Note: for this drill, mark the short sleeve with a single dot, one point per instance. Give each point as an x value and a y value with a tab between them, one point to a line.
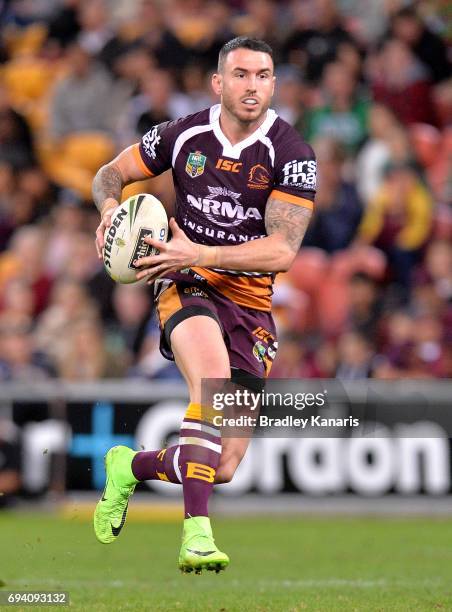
295	171
153	153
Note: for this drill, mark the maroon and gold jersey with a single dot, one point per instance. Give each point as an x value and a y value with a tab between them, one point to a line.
222	189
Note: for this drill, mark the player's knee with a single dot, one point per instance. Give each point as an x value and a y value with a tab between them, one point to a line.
217	370
225	472
211	369
213	376
224	475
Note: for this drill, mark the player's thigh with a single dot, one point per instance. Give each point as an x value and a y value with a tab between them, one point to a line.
200	352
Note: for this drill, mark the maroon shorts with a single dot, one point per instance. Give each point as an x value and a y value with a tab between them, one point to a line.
249	335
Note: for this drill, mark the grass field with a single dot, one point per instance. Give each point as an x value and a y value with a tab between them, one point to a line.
277	564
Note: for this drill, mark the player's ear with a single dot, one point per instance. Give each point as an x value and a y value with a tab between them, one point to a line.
217	84
273	88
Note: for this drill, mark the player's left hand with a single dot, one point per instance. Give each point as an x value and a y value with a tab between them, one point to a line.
180	252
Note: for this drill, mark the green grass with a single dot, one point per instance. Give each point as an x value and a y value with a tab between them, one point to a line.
277	564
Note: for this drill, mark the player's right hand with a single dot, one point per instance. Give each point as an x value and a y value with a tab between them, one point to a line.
106	214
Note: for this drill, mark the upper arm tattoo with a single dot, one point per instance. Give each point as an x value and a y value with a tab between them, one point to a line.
107	183
290	220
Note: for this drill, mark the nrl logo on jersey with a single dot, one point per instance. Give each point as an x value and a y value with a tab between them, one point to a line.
219	209
195	164
300	173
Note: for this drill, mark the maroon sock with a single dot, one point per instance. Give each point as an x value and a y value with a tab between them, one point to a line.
157	465
200	451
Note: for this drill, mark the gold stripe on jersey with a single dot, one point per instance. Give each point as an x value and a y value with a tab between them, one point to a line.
139	160
168	303
288	197
249	291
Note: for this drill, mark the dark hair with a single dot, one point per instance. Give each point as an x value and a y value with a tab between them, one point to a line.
242	42
406	11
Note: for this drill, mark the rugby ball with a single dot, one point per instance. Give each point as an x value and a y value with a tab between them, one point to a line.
138	216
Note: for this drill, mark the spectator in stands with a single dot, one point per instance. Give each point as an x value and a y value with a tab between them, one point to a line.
37	192
26	195
126	335
318	32
67	219
208	26
18	298
150	363
153	29
63	26
442	99
338	209
153	105
81	128
16	140
196	93
260	20
354	357
25	259
80	263
7	216
343	114
349	55
397	339
437	269
96	28
70	304
399	221
19	358
399	80
366	19
80	100
130	62
289	100
83	355
407	26
428	349
365	306
387	142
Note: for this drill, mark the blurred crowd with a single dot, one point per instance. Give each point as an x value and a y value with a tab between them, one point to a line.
367	83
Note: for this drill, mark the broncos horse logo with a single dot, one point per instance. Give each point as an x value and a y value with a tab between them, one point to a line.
258	177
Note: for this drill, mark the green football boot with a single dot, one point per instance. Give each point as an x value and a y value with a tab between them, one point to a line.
111	510
198	549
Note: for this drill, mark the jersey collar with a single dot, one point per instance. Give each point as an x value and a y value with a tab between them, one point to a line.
234	151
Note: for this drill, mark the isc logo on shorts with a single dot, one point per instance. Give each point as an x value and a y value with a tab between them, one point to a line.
300	173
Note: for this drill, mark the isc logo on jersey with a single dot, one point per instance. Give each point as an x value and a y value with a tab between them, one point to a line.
220	210
300	173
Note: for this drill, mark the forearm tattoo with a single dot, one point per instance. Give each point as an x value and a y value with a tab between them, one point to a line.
288	219
107	183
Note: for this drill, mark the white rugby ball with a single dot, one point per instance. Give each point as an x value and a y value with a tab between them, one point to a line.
138	216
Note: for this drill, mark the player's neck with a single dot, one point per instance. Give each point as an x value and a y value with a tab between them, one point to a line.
235	130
